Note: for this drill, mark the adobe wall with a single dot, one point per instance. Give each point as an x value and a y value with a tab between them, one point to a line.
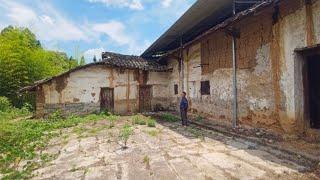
79	91
270	88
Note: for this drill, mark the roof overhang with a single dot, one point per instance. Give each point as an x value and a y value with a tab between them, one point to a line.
201	16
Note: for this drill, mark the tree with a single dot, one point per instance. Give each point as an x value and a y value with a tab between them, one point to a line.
94	58
82	61
23	61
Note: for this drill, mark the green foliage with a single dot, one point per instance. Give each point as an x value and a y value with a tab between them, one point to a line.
112	119
23	61
151	122
152	133
5	104
125	134
138	119
169	117
20	139
146	161
56	116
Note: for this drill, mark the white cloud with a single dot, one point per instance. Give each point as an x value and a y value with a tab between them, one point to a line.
132	4
47	23
90	53
166	3
118	33
115	30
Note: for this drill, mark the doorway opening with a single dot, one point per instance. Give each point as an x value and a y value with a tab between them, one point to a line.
313	89
107	100
145	98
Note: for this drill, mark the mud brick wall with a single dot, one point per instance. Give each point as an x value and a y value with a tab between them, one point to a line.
270	84
79	91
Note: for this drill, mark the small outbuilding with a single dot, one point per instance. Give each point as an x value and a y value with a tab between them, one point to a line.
121	84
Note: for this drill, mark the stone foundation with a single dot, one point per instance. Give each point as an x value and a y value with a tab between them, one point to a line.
71	109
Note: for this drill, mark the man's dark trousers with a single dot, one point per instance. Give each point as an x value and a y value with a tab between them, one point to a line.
184	118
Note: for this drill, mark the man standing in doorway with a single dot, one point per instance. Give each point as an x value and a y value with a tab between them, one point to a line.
184	109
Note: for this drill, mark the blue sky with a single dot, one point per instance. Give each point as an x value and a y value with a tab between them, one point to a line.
88	27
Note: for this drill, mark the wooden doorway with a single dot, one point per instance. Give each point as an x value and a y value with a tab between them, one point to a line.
145	98
107	99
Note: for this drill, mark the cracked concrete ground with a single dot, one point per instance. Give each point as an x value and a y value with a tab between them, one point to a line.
168	151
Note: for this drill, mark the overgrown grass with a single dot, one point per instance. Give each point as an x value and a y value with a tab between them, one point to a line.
169	117
21	139
151	122
138	119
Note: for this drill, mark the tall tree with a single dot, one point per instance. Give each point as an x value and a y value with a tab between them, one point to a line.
23	61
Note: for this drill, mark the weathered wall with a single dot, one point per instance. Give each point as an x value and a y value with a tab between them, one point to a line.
270	88
79	91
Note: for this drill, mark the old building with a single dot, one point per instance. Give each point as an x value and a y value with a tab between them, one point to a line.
255	63
119	83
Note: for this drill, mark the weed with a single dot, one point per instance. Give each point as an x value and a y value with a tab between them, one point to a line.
20	140
55	116
146	161
137	119
199	118
152	133
151	122
112	119
169	117
125	134
5	104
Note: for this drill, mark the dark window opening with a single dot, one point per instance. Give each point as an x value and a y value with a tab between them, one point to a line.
314	90
205	88
176	89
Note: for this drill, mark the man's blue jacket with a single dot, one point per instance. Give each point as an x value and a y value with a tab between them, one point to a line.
184	103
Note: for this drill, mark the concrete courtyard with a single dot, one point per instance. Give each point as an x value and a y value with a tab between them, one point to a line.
167	151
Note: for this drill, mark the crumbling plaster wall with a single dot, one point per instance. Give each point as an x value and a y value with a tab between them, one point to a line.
269	74
294	33
79	92
160	91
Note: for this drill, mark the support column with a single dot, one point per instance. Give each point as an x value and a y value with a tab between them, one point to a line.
234	68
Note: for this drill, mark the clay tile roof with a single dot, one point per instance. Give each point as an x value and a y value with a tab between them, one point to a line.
109	59
131	62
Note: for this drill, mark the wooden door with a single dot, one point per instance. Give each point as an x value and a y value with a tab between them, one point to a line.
107	99
145	98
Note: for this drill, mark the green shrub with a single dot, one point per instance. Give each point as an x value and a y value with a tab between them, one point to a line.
5	104
169	117
137	119
112	119
125	134
151	122
55	116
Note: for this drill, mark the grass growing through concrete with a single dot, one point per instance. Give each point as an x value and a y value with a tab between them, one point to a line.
20	140
169	117
146	161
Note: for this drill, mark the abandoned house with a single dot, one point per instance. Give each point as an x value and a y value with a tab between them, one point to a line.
253	63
